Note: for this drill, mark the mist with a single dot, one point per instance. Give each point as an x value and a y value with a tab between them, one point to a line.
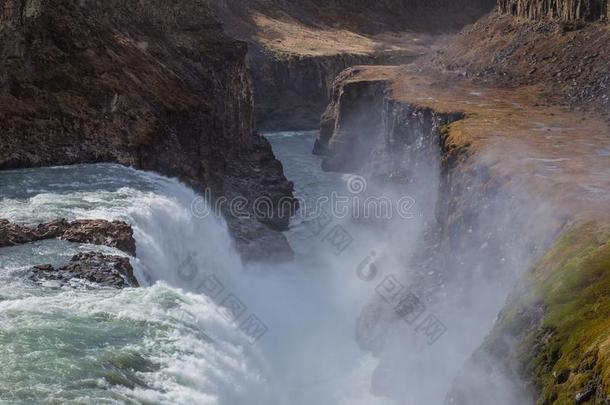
336	331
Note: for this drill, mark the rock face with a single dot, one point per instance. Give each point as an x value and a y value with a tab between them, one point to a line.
365	130
297	48
103	270
491	218
405	146
293	91
151	84
257	245
115	234
355	110
565	10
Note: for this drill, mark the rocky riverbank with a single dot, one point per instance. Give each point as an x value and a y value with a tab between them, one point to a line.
97	268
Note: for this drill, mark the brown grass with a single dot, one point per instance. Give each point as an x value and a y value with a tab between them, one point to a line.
289	36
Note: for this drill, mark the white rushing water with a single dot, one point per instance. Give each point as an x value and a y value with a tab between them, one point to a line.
167	342
149	345
291	339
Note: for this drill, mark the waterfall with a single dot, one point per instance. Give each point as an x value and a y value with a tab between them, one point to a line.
206	328
175	245
163	343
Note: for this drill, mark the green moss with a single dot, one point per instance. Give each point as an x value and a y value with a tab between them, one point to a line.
565	349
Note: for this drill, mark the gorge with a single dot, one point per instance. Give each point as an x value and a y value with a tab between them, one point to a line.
423	221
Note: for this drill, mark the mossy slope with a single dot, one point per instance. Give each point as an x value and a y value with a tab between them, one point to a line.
559	318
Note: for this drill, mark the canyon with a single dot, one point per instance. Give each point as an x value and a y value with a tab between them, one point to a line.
523	140
494	115
298	48
505	192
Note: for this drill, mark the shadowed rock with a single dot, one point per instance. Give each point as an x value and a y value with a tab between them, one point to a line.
107	271
267	246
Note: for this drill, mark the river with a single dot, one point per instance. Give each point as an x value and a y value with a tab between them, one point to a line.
172	341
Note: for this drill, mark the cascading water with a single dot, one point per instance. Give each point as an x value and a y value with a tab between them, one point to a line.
165	342
168	342
150	345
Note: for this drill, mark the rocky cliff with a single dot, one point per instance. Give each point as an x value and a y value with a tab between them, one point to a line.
151	84
298	47
504	191
293	91
565	10
388	134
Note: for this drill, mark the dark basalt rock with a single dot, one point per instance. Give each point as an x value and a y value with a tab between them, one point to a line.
267	246
107	271
292	81
566	10
146	83
115	234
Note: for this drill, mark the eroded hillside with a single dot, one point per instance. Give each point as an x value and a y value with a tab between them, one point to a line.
569	59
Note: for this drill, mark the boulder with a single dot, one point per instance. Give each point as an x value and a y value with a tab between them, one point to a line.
98	268
116	234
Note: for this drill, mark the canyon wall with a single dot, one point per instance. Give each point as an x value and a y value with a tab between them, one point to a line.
366	130
152	84
485	231
403	146
552	335
291	92
298	47
565	10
